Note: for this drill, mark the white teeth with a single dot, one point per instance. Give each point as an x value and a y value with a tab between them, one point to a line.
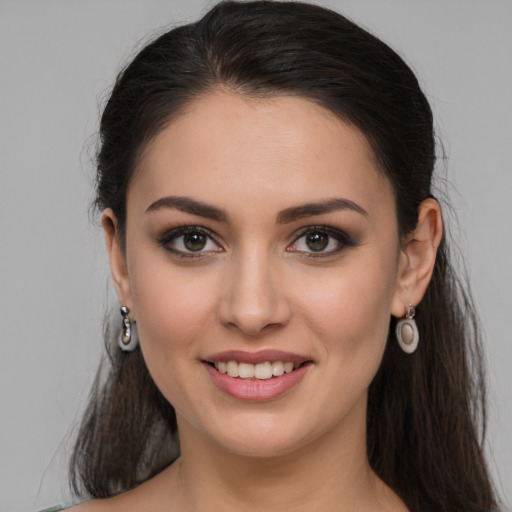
262	371
232	368
277	368
245	370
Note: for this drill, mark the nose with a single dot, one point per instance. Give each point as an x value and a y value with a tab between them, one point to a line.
253	299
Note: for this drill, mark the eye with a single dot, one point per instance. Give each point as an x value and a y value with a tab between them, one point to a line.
317	241
320	241
189	242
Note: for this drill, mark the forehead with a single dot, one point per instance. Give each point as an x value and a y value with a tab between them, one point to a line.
231	148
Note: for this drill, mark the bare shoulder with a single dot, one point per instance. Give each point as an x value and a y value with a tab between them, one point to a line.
127	502
147	497
135	500
92	506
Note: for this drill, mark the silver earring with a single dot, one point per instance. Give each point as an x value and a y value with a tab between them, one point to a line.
129	338
407	331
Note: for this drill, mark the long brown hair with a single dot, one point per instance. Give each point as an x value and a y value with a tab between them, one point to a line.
426	411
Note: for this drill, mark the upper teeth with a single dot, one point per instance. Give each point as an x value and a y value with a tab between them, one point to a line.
258	371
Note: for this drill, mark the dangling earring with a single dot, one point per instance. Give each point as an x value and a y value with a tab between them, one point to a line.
129	338
407	331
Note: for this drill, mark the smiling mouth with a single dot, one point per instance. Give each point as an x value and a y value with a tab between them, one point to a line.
259	371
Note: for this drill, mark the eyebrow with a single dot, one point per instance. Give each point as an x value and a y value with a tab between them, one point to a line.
319	208
194	207
187	205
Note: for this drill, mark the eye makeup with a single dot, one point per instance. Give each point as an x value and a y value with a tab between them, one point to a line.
312	242
189	241
320	241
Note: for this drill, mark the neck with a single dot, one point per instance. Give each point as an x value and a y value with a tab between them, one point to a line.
331	473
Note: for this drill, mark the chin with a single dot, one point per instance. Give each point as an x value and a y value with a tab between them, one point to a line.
264	446
263	435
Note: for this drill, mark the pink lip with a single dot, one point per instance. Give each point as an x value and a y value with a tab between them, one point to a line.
256	390
262	356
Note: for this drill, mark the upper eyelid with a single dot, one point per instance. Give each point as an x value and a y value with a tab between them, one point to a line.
342	238
187	228
335	232
181	230
178	231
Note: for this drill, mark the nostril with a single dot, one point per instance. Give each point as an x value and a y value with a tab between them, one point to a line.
254	309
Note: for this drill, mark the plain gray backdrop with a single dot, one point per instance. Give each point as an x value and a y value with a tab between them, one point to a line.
58	59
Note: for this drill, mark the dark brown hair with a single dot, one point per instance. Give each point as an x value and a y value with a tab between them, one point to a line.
426	411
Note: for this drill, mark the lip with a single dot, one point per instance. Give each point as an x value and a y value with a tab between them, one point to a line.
257	390
262	356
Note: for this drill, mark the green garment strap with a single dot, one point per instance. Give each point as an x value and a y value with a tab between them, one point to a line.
63	506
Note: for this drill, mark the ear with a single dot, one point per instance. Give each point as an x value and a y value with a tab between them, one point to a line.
417	257
117	257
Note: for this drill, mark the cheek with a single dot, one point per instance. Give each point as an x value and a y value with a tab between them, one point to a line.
173	307
350	308
174	312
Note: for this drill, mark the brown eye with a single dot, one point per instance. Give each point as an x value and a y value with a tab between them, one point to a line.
194	241
321	241
189	241
317	241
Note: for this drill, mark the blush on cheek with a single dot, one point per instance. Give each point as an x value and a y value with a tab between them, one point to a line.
353	312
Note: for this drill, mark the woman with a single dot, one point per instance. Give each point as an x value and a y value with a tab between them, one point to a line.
288	306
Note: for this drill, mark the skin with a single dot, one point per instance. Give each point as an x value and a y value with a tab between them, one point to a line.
258	285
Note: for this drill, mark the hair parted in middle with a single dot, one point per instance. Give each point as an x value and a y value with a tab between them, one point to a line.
423	409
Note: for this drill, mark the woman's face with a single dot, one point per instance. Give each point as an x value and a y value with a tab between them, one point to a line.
261	235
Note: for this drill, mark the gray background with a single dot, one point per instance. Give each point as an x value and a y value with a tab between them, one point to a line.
57	59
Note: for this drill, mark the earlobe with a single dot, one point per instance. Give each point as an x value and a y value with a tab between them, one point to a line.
116	257
417	257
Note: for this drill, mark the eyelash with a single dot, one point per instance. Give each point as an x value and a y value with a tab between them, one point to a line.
176	233
342	239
